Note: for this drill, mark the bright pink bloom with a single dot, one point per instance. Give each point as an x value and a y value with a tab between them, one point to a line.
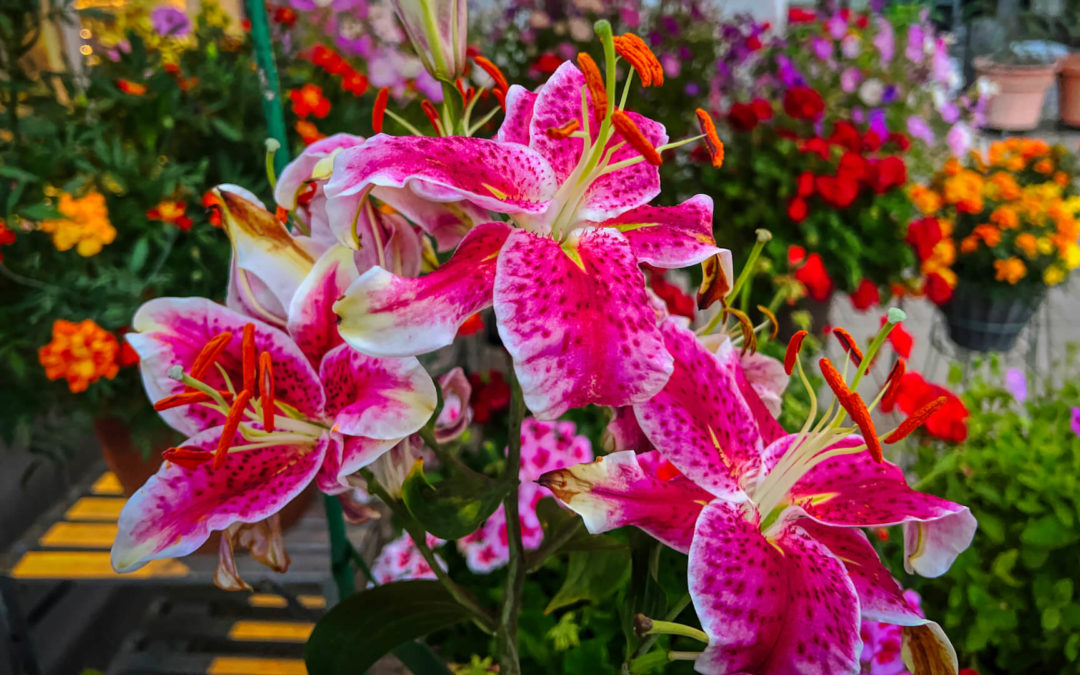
780	573
400	559
545	446
564	277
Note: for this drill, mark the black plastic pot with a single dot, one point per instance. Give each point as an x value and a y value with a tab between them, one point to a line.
984	321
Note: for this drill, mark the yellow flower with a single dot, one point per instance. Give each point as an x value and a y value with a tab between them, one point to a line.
1053	275
926	200
1004	217
85	224
80	352
1045	246
1071	255
1009	270
1027	243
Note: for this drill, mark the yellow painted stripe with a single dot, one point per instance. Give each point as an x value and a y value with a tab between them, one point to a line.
239	665
79	535
96	508
108	484
277	601
271	631
88	565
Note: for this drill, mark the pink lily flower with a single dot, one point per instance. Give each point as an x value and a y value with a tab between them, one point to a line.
266	411
563	275
780	573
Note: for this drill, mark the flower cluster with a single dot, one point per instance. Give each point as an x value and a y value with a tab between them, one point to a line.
171	212
84	224
1008	216
80	353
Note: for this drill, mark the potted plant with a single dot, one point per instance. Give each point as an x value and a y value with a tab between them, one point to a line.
1019	76
996	233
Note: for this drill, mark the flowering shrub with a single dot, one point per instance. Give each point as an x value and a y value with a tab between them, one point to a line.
1006	220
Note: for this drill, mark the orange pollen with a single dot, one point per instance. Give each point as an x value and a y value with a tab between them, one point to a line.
564	131
379	111
432	115
281	214
794	345
712	139
849	344
187	457
210	352
266	389
247	348
595	82
834	380
228	431
856	408
186	398
633	135
637	53
917	419
493	72
892	386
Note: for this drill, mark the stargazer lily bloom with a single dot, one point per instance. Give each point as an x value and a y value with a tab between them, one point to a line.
575	174
780	573
266	411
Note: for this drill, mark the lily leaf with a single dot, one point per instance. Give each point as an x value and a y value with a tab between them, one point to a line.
368	625
591	576
454	507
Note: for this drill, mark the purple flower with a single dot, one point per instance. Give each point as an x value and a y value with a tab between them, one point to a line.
789	74
837	26
671	26
942	69
630	17
876	123
849	79
949	112
915	38
885	40
918	128
821	47
170	22
890	93
671	64
692	89
1074	423
959	139
1016	383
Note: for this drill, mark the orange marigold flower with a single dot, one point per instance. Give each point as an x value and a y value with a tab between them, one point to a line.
1009	270
1005	218
81	353
85	224
988	233
1028	244
309	100
1044	166
172	212
309	133
129	87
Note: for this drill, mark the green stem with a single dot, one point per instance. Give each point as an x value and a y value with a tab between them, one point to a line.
506	637
647	645
672	628
452	111
340	548
268	80
552	545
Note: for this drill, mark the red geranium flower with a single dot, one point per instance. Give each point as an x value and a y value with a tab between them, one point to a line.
805	184
923	235
889	172
286	16
900	140
803	103
800	15
813	275
839	191
490	394
949	423
866	295
762	109
328	59
547	63
818	146
798	209
753	43
309	100
872	141
354	82
938	289
853	167
846	136
900	339
742	117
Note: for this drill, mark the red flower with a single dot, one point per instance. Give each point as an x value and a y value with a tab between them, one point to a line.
547	63
968	671
872	141
803	103
889	172
286	16
797	209
900	339
309	133
762	109
213	208
839	191
753	43
309	100
127	356
490	394
853	167
805	184
7	237
862	21
677	301
813	275
800	15
356	83
846	136
329	60
742	117
172	212
866	295
923	235
818	146
938	289
132	88
900	140
795	255
949	423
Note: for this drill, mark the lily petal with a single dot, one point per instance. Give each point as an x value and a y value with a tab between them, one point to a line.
855	491
176	510
312	323
770	607
519	111
247	294
345	456
624	433
172	332
700	422
387	315
384	398
627	489
300	171
503	177
669	236
455	416
577	322
446	222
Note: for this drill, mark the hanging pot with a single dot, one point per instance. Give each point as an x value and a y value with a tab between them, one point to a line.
983	321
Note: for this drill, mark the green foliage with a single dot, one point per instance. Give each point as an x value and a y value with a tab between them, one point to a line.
1009	603
453	507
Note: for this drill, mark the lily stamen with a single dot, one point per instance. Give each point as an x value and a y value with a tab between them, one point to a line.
189	458
433	115
209	354
595	82
892	385
641	58
378	113
247	348
187	398
228	431
917	419
564	131
712	140
793	347
848	344
501	83
266	389
635	137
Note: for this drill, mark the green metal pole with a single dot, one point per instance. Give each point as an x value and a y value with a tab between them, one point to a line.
268	80
340	553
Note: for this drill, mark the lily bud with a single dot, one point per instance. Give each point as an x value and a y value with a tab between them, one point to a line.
437	31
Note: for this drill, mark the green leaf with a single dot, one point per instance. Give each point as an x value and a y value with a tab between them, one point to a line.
39	212
454	507
592	576
15	173
364	627
227	130
138	255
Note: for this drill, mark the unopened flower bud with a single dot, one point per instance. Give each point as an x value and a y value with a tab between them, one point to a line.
437	31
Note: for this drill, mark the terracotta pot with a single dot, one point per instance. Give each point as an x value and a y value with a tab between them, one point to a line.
1021	90
1069	90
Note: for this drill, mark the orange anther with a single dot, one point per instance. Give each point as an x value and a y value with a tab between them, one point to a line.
186	398
247	348
187	457
917	419
228	431
595	82
432	115
635	137
209	353
266	389
493	72
712	139
794	345
849	344
379	111
564	131
892	385
637	53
